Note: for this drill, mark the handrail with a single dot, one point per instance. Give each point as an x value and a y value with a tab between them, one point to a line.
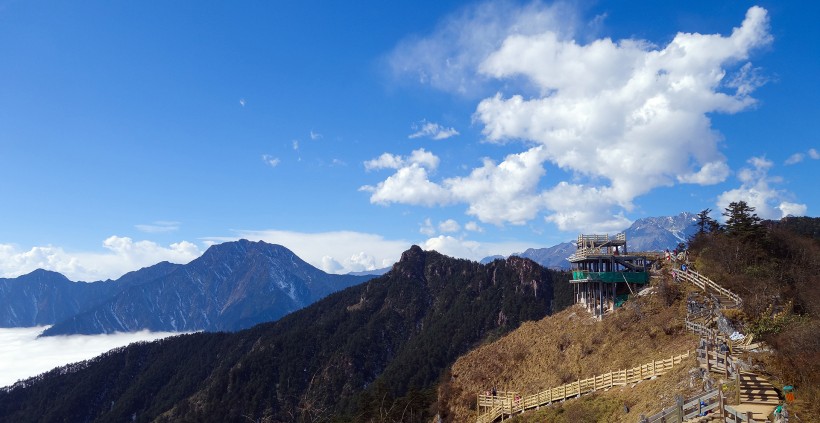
705	283
506	403
709	402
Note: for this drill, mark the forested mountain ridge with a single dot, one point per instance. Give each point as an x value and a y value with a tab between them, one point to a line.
374	351
233	285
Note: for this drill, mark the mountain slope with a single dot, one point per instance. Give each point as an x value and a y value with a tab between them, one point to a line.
43	297
233	285
371	352
659	233
554	257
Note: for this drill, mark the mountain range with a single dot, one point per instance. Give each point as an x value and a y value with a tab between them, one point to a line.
647	234
233	285
371	352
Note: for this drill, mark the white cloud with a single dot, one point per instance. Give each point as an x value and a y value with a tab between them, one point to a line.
315	136
23	355
427	228
123	255
419	157
270	160
503	192
295	144
385	161
410	184
473	227
786	208
711	173
432	130
330	265
242	102
447	58
333	252
795	158
449	225
756	191
621	117
814	154
471	250
160	226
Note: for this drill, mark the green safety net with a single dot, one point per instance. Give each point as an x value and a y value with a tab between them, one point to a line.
610	277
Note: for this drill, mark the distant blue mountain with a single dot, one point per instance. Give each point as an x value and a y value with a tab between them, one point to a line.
660	233
374	272
43	297
232	286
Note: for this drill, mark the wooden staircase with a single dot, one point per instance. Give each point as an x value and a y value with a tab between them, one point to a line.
757	396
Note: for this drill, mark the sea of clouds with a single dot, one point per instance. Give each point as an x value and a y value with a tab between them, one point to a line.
23	355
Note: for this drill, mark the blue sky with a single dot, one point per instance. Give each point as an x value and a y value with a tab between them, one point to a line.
134	132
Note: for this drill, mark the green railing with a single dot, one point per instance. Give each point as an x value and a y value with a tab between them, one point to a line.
611	277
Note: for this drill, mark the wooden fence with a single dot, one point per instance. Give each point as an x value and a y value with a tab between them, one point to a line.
711	402
707	284
491	407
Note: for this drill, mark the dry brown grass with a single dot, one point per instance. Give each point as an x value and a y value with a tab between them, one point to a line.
571	345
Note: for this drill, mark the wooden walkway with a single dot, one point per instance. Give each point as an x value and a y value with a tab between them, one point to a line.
756	396
727	299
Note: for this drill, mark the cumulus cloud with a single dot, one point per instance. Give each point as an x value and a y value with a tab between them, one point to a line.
160	226
23	355
814	154
432	130
621	117
410	184
757	191
123	255
270	160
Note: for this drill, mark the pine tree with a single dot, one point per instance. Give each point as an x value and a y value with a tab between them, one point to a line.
705	223
741	220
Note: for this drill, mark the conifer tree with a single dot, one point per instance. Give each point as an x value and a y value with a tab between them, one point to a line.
741	219
705	223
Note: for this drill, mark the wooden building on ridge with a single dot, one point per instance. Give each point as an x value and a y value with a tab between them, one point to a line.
604	274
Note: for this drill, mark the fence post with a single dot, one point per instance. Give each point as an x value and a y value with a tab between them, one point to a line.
721	403
706	353
726	365
679	406
737	378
